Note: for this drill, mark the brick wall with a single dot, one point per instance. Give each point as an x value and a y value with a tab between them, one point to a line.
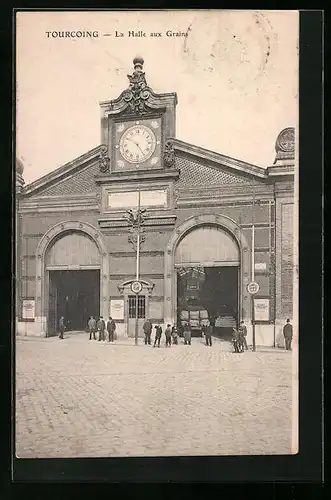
287	260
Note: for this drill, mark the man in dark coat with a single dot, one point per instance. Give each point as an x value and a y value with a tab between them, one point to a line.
147	327
101	328
92	326
158	334
288	335
168	335
111	327
235	339
208	334
61	327
243	334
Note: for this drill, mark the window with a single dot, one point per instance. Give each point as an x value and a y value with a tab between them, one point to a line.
141	306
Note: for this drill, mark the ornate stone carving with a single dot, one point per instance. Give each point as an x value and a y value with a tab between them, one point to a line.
104	160
138	92
285	144
169	155
285	140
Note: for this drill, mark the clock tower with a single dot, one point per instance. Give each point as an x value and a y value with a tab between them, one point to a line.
136	127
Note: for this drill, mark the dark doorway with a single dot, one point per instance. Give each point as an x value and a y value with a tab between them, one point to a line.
208	292
74	295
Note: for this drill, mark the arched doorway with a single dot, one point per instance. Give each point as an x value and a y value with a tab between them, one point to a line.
207	264
72	266
223	245
72	276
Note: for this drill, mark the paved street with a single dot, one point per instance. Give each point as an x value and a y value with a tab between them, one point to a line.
81	398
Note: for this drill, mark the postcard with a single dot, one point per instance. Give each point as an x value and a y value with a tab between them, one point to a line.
157	233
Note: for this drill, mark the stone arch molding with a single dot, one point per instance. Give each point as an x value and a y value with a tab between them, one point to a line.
225	223
43	245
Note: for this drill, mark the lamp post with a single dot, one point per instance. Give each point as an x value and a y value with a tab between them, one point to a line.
136	238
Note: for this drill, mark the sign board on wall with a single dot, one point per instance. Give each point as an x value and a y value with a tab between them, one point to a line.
28	309
260	266
117	309
155	197
261	309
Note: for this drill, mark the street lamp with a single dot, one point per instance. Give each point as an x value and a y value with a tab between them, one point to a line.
136	238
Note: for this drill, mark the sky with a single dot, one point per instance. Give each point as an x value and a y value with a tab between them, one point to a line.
235	75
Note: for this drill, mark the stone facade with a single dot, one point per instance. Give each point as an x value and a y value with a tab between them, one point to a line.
200	187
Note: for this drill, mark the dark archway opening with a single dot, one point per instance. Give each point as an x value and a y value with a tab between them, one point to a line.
74	295
208	293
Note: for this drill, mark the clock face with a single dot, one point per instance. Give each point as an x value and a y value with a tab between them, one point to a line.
137	144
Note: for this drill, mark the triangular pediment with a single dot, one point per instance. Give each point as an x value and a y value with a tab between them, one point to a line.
203	168
73	178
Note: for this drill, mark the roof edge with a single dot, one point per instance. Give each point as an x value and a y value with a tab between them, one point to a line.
232	163
61	171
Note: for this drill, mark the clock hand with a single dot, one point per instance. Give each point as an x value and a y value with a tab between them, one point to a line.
136	143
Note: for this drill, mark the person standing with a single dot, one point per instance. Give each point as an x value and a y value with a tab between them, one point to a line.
158	334
111	327
101	328
235	339
288	335
174	334
147	327
243	334
61	327
187	334
92	326
168	335
208	334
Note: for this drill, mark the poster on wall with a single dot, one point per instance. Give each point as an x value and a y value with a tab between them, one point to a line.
261	309
28	309
117	309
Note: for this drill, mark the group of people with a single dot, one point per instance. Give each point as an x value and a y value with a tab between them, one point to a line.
101	327
239	338
171	333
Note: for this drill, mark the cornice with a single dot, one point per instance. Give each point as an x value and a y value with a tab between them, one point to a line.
59	203
137	176
150	220
219	160
64	171
286	170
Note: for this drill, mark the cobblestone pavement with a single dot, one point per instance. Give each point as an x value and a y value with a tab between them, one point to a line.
81	398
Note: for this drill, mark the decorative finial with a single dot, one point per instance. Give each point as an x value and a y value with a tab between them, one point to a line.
138	92
19	167
138	63
285	144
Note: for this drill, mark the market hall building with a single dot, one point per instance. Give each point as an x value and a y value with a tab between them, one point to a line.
75	249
